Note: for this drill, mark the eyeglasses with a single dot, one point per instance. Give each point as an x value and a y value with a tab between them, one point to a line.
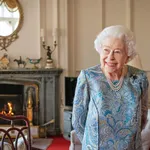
116	52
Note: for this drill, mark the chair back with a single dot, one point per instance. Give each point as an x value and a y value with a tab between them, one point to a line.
15	130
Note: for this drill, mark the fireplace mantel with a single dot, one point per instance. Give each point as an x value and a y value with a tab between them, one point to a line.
47	81
31	71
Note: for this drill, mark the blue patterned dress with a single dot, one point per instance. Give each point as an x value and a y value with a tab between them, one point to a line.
108	120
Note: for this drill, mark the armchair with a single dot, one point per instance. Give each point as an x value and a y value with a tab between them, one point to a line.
75	143
11	136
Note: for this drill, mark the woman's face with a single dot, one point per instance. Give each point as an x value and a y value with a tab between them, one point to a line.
113	55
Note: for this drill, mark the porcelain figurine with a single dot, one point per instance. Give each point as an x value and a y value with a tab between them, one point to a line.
4	61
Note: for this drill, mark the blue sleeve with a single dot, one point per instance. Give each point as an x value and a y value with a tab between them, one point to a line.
144	100
80	105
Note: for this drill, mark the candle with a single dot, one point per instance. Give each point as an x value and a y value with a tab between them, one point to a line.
42	34
55	33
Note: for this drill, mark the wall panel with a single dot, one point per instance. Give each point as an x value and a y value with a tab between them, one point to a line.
115	12
86	19
141	26
86	26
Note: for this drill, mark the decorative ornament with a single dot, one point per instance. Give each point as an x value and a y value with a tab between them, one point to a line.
50	50
21	63
4	61
34	62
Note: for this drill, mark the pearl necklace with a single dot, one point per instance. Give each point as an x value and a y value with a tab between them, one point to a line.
117	87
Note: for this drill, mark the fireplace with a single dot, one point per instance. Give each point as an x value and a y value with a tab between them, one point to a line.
11	100
38	88
15	98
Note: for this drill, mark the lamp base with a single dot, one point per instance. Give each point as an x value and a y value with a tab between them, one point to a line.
49	64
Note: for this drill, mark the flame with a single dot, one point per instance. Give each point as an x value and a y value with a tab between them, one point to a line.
8	109
10	106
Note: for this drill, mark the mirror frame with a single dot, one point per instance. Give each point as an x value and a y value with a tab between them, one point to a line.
6	41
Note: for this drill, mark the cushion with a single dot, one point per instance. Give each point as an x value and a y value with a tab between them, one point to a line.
21	144
74	138
7	146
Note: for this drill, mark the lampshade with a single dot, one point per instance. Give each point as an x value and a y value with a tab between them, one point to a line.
136	62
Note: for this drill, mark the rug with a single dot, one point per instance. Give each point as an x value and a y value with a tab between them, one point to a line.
41	143
59	143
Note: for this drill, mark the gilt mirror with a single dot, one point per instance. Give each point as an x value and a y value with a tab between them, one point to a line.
11	20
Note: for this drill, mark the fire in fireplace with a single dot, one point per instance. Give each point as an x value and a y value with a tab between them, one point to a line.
8	109
11	100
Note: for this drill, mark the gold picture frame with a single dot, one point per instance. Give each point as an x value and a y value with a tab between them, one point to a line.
6	41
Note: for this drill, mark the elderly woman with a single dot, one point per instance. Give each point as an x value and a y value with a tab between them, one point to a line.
110	103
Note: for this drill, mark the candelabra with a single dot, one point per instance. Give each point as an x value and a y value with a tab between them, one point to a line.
50	50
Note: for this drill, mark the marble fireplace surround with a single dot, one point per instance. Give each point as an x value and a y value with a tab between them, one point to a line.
45	82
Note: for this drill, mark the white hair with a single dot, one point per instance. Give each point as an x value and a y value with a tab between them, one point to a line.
117	31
